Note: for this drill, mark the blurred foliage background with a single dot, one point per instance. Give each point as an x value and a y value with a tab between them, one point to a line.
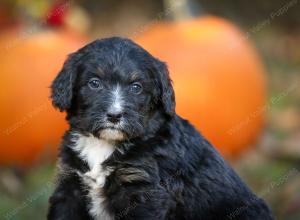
271	167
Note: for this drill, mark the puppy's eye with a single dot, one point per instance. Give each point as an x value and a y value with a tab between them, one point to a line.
95	84
136	88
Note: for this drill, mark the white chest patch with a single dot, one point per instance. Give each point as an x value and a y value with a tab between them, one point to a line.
95	151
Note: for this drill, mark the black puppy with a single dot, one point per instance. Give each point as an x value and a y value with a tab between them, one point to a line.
127	155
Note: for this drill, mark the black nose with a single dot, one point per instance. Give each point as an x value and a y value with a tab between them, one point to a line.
114	117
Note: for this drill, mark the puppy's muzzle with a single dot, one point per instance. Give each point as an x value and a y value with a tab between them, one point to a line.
112	134
113	130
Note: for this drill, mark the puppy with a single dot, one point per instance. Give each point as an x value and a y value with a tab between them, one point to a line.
127	155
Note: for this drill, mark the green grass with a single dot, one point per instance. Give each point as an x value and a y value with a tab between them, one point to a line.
30	199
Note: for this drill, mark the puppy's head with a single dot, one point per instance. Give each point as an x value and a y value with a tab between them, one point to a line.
114	89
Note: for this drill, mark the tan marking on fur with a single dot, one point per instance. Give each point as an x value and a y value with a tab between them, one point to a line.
100	71
134	76
132	174
112	134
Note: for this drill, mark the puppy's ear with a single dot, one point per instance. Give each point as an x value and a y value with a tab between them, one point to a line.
166	95
62	86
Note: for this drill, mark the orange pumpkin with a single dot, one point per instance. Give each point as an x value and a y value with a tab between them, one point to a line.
218	78
29	124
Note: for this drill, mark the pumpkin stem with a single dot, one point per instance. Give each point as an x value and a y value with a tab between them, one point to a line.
182	9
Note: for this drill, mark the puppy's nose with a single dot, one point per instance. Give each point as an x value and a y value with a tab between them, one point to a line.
114	117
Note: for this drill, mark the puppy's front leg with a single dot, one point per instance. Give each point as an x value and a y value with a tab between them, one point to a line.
142	204
68	201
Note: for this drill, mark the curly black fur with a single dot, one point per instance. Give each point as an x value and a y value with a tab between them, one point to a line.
162	168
